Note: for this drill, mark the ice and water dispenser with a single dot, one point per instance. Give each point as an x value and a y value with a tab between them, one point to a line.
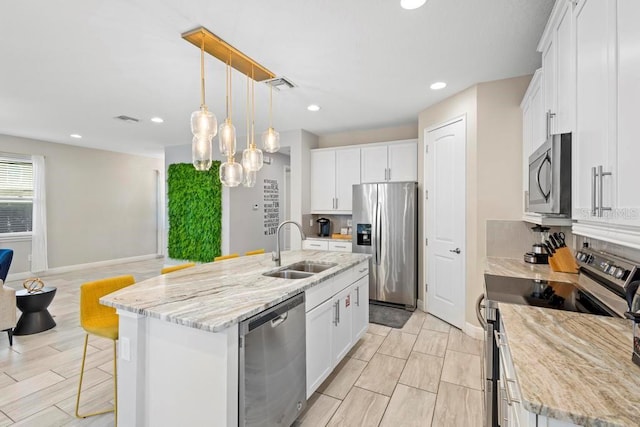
363	234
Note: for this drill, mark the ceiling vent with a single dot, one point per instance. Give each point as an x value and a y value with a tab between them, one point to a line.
127	119
280	83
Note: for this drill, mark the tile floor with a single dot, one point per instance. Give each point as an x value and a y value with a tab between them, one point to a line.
427	373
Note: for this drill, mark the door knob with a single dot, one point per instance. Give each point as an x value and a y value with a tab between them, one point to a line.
456	250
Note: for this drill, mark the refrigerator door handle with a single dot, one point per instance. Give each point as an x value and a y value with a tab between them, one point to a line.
379	234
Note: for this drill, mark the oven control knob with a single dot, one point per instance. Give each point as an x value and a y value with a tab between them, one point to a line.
581	257
604	266
612	270
619	273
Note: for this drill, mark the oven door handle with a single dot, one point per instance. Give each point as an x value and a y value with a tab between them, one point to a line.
479	307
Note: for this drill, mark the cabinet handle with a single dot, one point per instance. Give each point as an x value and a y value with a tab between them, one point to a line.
601	175
363	270
336	203
594	179
336	308
550	115
502	349
358	296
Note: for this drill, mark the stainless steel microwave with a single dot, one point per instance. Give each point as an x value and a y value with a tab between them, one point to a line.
550	177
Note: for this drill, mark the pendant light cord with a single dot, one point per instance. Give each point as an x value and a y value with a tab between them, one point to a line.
202	71
253	109
248	114
270	106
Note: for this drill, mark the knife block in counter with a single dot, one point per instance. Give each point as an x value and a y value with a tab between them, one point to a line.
563	261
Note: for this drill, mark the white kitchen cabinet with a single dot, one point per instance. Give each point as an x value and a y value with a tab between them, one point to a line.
607	90
360	301
315	245
337	315
342	338
339	246
556	46
319	344
593	140
534	125
333	173
390	162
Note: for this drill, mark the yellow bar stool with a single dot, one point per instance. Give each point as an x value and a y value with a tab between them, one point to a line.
102	321
256	252
171	268
223	257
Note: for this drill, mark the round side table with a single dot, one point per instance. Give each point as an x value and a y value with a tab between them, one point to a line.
35	316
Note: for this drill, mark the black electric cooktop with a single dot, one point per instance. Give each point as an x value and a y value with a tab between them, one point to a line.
541	293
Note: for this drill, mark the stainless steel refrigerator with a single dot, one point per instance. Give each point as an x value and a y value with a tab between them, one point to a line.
385	226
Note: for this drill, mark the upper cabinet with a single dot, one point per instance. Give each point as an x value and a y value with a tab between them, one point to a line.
392	162
333	173
556	46
606	203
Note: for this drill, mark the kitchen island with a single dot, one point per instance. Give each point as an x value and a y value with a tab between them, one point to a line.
179	337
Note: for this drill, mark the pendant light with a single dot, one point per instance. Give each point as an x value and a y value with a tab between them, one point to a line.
252	155
271	137
204	126
249	179
227	137
231	173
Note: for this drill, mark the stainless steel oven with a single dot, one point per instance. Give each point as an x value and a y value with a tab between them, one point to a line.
600	290
550	177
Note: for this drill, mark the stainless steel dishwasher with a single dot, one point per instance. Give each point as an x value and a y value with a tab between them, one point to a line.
272	368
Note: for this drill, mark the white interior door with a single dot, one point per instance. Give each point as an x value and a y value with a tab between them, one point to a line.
445	221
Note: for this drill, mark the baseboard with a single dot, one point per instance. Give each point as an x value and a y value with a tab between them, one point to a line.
68	268
474	331
420	305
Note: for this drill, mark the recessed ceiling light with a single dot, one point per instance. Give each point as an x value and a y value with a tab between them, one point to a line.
75	135
157	120
412	4
313	107
438	85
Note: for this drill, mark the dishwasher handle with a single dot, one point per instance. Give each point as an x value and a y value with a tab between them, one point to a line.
274	315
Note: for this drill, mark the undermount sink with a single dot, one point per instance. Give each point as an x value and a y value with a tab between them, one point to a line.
300	270
311	266
288	274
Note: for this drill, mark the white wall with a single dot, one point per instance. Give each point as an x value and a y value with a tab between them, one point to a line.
101	205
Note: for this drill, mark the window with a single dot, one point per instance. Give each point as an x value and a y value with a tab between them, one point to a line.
16	195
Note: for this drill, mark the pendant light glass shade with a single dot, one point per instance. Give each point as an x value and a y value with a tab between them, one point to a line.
231	173
204	123
227	138
271	140
204	126
249	179
252	158
201	153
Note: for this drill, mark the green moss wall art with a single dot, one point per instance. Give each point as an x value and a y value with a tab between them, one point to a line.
195	212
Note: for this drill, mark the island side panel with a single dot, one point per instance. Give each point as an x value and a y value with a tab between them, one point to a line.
190	376
131	369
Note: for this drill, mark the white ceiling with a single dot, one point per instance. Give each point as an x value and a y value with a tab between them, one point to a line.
71	66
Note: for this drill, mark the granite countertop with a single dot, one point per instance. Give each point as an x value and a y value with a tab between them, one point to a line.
574	367
215	296
512	267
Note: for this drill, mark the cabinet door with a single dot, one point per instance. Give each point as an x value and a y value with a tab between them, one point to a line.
360	300
347	174
323	180
373	164
628	146
538	114
549	84
565	74
591	141
319	327
315	245
403	162
341	325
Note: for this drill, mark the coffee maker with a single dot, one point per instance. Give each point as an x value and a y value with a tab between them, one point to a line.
324	227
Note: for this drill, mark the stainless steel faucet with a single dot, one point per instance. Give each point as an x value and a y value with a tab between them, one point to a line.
275	256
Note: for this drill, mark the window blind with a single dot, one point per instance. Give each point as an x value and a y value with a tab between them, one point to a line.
16	196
